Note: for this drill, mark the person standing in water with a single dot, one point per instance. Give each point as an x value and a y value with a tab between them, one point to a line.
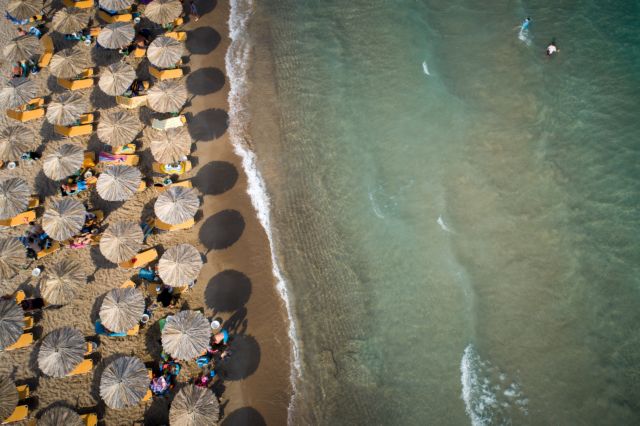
552	48
525	24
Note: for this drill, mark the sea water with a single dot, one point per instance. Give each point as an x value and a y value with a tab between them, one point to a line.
453	215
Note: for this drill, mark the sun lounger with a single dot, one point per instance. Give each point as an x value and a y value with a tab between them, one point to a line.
23	341
141	259
122	159
55	246
19	296
139	52
147	396
28	323
80	4
125	149
89	160
83	368
160	168
21	219
77	84
178	35
23	392
85	127
34	202
110	19
131	102
183	183
89	419
20	413
134	331
165	74
166	227
169	123
91	348
47	44
30	111
128	284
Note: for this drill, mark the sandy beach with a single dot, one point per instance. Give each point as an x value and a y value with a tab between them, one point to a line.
235	284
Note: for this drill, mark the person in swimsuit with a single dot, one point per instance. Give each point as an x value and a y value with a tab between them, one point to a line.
552	48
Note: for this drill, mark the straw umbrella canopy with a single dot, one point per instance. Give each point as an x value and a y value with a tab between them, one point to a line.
61	282
116	78
165	52
117	128
61	351
176	205
167	95
63	218
116	35
63	162
22	48
121	241
14	197
124	382
70	20
118	183
12	254
163	11
68	63
17	92
122	309
171	145
24	9
11	322
115	4
14	141
186	335
8	397
194	406
60	415
180	265
67	109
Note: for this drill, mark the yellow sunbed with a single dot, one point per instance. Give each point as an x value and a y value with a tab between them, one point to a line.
34	202
128	160
55	246
128	284
83	368
125	149
178	35
165	74
134	331
89	419
80	4
182	183
30	111
47	44
20	413
131	102
77	84
141	259
19	296
23	392
160	168
147	396
28	323
21	219
25	340
139	52
91	347
166	227
110	19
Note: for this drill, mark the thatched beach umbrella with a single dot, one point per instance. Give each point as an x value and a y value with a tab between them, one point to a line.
171	145
124	382
116	35
116	78
118	128
12	255
68	63
14	197
60	416
118	183
17	92
70	20
115	4
67	109
61	282
176	205
121	241
11	322
180	265
165	52
167	95
163	11
15	140
186	335
122	309
63	162
194	406
22	48
24	9
63	218
8	397
61	351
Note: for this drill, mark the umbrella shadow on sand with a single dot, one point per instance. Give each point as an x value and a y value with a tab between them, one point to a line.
195	39
228	291
222	230
205	81
244	358
157	413
244	416
216	177
208	125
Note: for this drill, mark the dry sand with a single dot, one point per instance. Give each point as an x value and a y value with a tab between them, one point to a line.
236	282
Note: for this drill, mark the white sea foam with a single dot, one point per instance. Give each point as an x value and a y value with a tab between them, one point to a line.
425	68
237	62
443	225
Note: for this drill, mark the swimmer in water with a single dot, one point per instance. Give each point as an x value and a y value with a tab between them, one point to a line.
525	24
552	48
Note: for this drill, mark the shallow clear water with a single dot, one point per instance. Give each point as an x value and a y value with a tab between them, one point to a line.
456	214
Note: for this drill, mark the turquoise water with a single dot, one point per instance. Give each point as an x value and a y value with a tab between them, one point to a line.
455	214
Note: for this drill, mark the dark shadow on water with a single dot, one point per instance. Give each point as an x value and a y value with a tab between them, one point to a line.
208	125
222	230
205	81
245	416
195	39
244	358
216	177
227	291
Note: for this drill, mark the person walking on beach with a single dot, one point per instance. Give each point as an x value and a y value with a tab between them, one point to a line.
194	11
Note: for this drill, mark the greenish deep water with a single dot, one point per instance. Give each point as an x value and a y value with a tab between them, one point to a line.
455	214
